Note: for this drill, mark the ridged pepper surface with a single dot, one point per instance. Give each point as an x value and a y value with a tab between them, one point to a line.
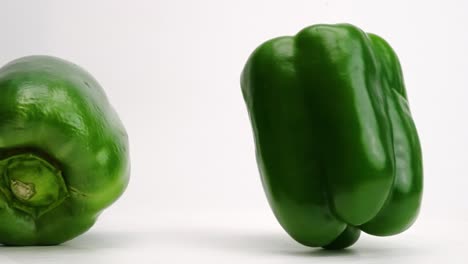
336	145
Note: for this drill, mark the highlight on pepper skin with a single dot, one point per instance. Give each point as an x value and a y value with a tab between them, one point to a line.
64	154
337	149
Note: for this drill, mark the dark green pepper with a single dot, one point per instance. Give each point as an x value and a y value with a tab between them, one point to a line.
336	145
63	151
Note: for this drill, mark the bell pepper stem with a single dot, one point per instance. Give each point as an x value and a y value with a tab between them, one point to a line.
32	184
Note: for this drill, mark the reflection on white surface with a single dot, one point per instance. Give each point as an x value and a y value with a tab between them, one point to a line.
230	238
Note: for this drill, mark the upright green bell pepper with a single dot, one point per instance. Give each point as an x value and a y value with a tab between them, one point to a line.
336	146
63	151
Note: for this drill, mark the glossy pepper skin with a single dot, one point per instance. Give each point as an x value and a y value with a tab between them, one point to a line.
336	145
63	151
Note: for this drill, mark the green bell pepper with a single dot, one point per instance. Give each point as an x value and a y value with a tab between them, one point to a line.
336	145
63	151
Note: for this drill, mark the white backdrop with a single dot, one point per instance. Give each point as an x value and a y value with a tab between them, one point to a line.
171	70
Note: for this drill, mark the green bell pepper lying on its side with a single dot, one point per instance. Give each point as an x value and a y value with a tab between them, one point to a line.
336	146
63	151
